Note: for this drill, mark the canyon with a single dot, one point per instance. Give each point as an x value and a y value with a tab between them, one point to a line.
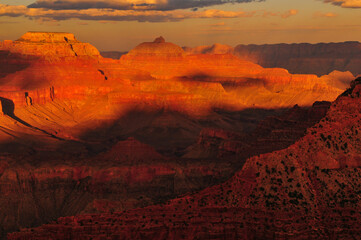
93	144
310	189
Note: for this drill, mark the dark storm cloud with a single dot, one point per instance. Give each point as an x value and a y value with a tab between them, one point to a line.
131	4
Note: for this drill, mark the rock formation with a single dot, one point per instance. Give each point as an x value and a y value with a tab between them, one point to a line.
103	135
49	45
304	58
311	189
44	60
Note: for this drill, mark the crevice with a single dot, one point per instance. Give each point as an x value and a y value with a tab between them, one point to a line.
102	73
71	47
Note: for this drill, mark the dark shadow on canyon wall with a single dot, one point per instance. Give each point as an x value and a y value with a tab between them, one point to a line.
8	109
12	62
178	137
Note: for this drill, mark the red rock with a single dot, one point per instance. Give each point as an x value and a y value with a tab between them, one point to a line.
51	46
63	150
309	189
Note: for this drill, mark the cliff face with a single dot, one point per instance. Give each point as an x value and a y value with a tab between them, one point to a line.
50	45
41	61
311	189
271	134
319	59
166	60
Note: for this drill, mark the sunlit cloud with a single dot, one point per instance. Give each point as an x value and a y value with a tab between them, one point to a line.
131	4
118	15
287	14
106	15
345	3
326	15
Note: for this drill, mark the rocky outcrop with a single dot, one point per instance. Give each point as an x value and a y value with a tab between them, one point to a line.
48	37
158	48
166	60
311	189
50	46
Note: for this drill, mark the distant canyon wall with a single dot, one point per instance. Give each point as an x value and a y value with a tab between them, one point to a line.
303	58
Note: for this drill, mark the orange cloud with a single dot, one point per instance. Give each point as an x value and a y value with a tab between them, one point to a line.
287	14
327	15
118	15
290	13
130	4
345	3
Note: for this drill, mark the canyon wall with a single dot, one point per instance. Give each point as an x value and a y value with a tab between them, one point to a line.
303	58
308	190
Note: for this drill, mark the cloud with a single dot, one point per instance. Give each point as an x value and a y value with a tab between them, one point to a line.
287	14
131	15
117	15
220	26
131	4
345	3
47	21
12	11
326	15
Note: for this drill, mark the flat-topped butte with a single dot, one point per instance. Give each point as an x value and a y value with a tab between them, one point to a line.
48	37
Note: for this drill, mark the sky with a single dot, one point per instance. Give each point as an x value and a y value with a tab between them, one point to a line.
120	25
